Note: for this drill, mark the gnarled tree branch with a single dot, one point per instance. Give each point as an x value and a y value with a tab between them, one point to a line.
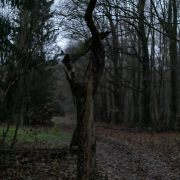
97	50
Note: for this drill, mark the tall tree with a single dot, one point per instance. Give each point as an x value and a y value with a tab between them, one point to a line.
84	96
117	80
146	117
170	27
172	31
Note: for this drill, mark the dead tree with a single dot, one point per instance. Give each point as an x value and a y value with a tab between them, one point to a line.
83	94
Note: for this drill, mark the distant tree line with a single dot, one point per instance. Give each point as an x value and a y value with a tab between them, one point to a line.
140	83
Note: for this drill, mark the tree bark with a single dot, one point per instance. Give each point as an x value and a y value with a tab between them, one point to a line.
171	30
146	118
117	94
173	64
83	94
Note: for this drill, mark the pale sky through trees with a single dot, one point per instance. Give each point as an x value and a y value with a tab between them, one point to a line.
61	41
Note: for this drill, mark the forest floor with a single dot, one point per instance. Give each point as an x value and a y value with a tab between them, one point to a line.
123	153
127	154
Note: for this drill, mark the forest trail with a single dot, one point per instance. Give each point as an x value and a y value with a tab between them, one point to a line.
125	154
120	162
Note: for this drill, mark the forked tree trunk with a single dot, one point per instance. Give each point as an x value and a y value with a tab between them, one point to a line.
83	135
83	94
85	128
68	61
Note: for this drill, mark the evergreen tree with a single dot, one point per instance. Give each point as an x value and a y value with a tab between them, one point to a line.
28	50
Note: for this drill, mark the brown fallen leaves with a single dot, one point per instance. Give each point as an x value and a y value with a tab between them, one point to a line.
122	153
151	155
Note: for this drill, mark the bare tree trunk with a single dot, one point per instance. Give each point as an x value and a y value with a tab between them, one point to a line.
171	30
9	122
110	116
117	76
69	65
145	62
85	128
104	114
83	94
19	119
173	65
117	79
138	115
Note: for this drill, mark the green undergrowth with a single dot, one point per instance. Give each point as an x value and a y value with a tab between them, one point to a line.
31	135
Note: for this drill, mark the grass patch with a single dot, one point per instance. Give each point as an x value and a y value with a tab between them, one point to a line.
31	134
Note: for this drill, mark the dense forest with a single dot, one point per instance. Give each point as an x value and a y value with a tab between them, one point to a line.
65	59
139	84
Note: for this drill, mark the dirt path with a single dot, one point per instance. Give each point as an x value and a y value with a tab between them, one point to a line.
122	163
125	155
113	159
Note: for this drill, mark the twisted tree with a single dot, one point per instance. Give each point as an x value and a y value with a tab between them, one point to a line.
83	94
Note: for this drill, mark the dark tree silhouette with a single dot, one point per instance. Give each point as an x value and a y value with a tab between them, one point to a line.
83	94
